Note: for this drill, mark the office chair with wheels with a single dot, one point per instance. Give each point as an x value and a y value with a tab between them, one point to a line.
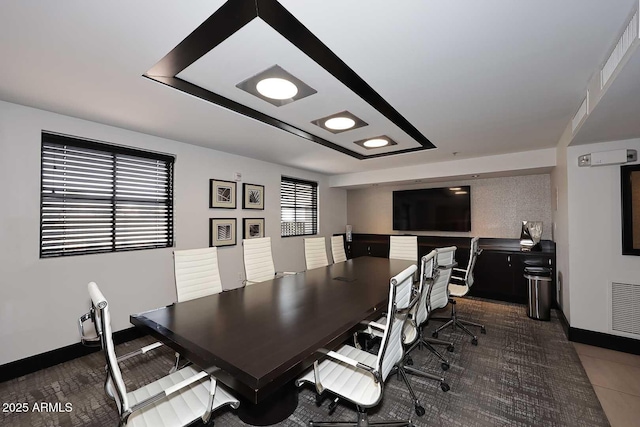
337	249
459	291
358	376
178	399
315	253
258	261
403	247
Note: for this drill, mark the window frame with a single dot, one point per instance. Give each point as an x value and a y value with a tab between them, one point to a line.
113	150
315	209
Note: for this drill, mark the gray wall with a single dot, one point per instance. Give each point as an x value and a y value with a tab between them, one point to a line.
41	299
498	205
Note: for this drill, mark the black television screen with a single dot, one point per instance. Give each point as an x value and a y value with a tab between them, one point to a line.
432	209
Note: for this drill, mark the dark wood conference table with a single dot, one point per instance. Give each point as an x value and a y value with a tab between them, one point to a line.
265	335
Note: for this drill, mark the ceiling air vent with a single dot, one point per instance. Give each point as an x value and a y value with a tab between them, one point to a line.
582	112
628	37
625	308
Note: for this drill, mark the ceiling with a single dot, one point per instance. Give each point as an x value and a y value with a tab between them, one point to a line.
475	78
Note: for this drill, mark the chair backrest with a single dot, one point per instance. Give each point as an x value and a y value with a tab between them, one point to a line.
400	302
258	261
473	255
337	249
196	272
315	252
420	312
403	247
115	385
440	291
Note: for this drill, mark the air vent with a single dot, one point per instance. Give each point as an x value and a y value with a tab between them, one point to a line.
625	308
628	37
582	112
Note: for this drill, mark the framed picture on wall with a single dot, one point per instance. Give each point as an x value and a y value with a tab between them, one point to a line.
252	228
222	194
253	196
222	232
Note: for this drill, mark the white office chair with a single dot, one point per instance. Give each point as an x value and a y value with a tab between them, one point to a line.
315	253
176	400
460	291
337	249
196	272
357	376
403	247
258	261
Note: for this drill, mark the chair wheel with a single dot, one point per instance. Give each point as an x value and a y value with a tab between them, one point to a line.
444	386
409	361
435	334
474	341
445	366
450	348
420	410
332	409
319	400
483	330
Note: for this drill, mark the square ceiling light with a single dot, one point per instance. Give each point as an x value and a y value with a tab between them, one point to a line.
276	86
376	142
340	122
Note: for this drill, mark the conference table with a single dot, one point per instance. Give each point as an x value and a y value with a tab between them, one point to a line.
259	338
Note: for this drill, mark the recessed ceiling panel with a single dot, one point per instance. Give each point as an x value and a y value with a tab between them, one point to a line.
257	47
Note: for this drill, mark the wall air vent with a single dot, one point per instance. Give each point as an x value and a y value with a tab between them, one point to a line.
625	308
581	114
628	37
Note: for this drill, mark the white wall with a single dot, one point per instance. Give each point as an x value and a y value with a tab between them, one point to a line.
595	237
41	299
498	205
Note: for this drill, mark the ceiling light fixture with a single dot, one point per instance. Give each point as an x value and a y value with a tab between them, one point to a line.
340	122
376	142
277	88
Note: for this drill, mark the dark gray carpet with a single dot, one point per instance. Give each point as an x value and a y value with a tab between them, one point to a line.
522	373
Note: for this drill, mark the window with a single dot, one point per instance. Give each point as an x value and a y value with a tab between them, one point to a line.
298	207
102	198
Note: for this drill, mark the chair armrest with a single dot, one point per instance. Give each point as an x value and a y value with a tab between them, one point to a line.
461	270
376	325
349	361
286	273
169	391
447	266
140	351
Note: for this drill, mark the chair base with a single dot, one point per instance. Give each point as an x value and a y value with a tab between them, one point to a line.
363	421
462	324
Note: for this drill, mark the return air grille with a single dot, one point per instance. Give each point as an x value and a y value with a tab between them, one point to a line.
628	37
625	308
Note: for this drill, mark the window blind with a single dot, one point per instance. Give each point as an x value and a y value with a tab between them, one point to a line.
298	207
97	198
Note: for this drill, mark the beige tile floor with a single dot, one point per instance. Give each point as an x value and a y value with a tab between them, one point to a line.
615	377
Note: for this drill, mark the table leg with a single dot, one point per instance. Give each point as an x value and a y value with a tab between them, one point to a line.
274	409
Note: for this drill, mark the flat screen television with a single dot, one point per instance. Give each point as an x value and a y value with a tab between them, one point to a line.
630	176
432	209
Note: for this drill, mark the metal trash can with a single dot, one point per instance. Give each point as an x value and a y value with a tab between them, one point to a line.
539	290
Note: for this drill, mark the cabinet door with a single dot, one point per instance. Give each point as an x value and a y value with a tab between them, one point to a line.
519	287
493	275
358	249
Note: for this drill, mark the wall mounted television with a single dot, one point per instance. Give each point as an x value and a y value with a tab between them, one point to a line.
432	209
630	184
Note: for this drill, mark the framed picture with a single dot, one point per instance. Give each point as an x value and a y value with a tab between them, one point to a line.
222	232
253	196
252	228
222	194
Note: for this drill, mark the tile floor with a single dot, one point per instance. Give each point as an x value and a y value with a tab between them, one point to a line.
615	377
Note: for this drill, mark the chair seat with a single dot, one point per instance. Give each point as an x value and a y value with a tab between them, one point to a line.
409	332
458	290
182	407
352	384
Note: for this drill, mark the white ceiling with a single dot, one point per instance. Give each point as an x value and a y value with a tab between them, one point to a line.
478	78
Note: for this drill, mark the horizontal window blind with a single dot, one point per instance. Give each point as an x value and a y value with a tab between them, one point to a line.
299	207
102	198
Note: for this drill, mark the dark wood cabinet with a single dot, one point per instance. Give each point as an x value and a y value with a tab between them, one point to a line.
499	270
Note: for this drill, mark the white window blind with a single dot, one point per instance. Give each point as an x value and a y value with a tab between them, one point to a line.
101	198
298	207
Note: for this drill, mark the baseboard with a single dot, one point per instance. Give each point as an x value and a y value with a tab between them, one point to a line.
564	322
599	339
40	361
